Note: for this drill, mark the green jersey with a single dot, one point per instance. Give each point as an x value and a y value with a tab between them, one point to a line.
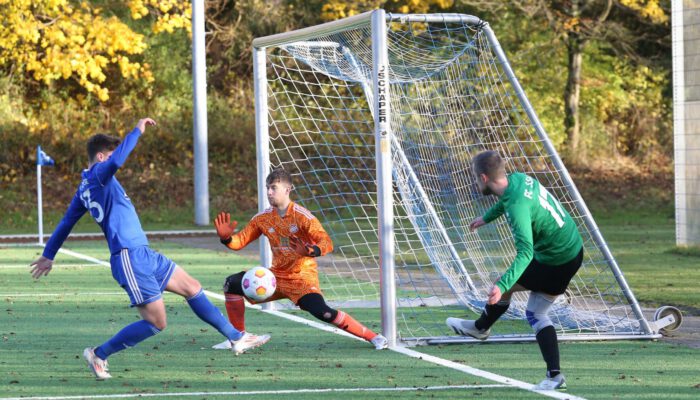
541	227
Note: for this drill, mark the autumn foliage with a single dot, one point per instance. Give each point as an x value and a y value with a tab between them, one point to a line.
53	40
69	69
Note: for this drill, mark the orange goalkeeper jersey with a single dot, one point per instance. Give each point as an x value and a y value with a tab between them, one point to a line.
297	221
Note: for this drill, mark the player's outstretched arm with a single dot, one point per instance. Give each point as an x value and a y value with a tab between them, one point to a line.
40	267
235	241
224	226
107	169
144	122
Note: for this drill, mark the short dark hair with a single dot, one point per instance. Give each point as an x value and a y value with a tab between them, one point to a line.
101	142
279	175
489	163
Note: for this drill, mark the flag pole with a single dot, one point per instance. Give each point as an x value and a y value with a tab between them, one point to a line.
41	160
39	205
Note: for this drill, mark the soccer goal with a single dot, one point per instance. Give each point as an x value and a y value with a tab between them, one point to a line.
377	116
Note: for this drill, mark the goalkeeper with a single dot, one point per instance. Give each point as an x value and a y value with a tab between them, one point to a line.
296	238
549	253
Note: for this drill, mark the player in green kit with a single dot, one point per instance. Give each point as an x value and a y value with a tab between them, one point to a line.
549	252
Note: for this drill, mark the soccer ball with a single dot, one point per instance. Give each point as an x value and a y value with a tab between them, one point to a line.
258	283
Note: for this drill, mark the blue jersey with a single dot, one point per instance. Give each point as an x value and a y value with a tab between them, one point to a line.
101	194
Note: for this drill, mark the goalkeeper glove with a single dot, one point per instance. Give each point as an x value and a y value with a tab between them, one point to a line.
304	249
224	227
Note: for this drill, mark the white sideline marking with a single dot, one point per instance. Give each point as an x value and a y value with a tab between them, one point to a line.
484	374
98	235
291	317
263	392
65	251
83	257
13	245
399	349
60	294
61	265
421	356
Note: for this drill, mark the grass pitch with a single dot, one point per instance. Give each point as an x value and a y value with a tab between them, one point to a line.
46	324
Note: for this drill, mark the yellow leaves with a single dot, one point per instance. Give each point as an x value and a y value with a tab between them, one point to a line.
170	15
51	40
102	94
417	6
337	9
66	70
650	9
169	23
145	72
571	24
138	9
78	39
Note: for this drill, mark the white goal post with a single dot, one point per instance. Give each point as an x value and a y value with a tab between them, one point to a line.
377	117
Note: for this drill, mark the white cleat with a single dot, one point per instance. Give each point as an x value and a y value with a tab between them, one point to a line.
466	327
249	341
556	383
97	365
380	342
225	345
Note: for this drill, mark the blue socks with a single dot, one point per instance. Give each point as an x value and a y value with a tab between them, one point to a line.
135	333
208	313
129	336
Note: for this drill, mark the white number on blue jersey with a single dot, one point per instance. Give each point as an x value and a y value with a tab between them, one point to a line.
90	205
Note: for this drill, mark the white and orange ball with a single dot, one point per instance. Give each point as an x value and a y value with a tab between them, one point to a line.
258	283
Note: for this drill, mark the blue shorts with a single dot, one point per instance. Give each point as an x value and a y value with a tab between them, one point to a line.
142	272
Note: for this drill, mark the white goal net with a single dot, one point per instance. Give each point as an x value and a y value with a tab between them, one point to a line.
452	94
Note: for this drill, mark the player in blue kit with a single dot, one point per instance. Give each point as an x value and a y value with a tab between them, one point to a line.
143	273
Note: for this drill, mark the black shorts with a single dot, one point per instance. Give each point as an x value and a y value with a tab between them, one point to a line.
550	279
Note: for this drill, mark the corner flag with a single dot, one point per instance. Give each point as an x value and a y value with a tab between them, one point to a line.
43	158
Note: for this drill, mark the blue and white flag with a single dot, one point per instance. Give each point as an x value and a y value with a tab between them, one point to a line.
43	158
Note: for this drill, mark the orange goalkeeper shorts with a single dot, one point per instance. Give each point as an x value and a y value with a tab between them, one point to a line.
294	288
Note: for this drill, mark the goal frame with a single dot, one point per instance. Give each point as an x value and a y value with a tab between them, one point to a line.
378	20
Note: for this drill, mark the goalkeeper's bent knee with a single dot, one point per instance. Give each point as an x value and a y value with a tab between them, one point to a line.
316	305
232	284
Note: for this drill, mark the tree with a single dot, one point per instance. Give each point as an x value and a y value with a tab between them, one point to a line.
231	27
580	21
55	41
576	23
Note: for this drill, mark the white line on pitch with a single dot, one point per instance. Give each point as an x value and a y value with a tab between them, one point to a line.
78	255
261	392
399	349
70	294
13	245
60	294
84	257
61	265
422	356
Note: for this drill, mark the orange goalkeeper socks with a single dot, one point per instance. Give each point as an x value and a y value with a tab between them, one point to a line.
350	325
235	308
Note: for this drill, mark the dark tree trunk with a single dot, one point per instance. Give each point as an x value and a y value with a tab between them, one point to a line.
572	94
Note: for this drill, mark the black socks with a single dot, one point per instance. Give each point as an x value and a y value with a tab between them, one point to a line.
492	312
547	339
